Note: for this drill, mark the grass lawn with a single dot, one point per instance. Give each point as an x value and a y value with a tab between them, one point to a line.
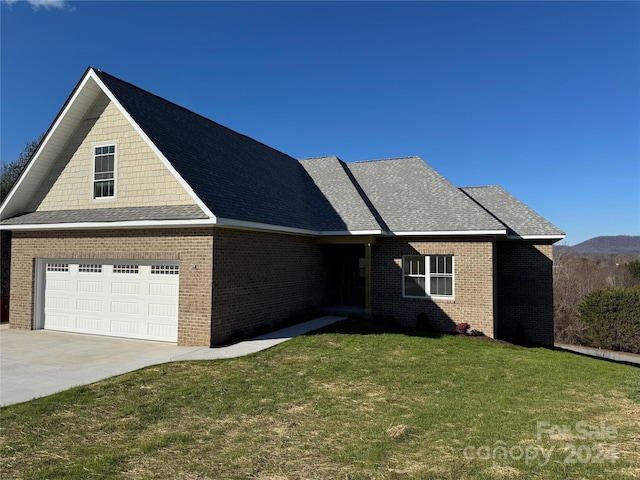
353	401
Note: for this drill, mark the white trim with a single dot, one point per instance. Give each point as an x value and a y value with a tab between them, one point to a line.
203	222
242	224
535	237
231	223
38	293
51	132
112	198
443	233
151	145
427	276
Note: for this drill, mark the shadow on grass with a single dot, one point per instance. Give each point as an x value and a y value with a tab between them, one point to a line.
355	325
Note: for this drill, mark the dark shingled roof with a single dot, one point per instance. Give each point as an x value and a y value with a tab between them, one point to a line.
235	176
242	180
515	215
121	214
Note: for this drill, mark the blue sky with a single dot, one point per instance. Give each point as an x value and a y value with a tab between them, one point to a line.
542	98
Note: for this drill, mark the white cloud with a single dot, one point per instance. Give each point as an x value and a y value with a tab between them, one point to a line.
38	4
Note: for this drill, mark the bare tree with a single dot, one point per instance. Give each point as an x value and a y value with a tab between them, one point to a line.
10	172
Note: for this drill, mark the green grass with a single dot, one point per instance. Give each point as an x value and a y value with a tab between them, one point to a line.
351	402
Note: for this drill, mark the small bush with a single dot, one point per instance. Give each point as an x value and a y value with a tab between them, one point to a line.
612	319
422	322
461	328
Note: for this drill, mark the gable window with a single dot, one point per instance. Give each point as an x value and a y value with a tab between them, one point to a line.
427	276
104	171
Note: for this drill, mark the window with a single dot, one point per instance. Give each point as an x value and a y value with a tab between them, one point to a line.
130	269
165	269
104	171
427	276
57	267
89	268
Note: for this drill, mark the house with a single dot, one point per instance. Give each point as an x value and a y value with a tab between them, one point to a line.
139	218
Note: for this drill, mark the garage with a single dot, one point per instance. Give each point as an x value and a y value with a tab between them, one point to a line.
129	299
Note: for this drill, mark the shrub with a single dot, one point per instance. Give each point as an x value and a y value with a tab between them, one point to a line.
422	322
612	319
461	328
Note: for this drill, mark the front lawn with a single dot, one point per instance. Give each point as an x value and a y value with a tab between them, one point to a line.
354	401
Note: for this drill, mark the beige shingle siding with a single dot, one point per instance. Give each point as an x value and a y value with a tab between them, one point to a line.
141	177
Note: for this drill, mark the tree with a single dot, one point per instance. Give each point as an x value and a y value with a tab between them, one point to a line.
634	269
10	172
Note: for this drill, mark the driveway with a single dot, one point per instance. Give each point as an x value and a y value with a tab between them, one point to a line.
36	363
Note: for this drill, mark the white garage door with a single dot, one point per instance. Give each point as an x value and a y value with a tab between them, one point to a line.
121	299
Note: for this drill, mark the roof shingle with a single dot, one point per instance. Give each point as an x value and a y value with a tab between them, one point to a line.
235	176
515	215
410	196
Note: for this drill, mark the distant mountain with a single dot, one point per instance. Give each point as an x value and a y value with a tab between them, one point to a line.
608	244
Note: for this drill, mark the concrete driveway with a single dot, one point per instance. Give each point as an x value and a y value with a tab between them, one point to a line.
36	363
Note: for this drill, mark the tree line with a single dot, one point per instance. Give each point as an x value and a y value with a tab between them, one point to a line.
597	300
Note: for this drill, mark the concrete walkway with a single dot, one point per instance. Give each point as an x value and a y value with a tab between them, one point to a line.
624	357
36	363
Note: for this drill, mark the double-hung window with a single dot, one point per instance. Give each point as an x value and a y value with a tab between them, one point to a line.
104	159
427	276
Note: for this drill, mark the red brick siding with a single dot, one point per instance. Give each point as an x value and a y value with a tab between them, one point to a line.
525	292
474	299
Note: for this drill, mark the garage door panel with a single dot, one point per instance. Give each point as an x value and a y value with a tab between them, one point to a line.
60	321
163	290
162	310
89	325
57	285
125	328
88	305
125	288
84	286
124	299
158	330
125	308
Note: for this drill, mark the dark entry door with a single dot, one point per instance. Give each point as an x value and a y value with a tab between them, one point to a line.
352	280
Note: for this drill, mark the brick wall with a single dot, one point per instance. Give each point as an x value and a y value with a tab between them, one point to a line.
262	278
525	292
192	247
474	298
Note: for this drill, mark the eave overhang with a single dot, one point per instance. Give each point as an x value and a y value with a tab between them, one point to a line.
56	138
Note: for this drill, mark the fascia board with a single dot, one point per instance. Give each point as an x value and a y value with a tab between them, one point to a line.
242	224
12	204
231	223
201	222
442	233
536	237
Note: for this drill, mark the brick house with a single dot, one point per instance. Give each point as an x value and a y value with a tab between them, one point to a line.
138	218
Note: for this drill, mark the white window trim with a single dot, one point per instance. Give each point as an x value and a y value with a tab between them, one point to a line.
427	277
115	171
